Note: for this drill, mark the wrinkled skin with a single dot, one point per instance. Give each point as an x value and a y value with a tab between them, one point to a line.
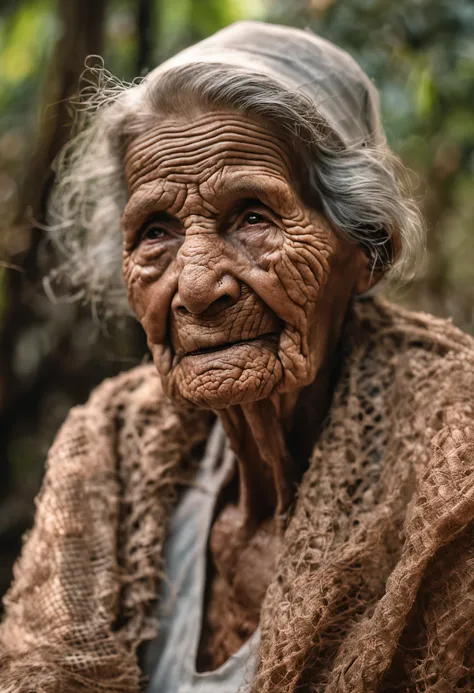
242	290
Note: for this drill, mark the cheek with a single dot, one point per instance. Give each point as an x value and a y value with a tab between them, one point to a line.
301	266
313	251
262	244
150	287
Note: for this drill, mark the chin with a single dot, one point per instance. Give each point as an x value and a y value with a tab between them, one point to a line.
219	379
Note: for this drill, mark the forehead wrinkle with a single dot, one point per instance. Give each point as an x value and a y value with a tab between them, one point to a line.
180	129
158	135
200	154
203	162
177	124
199	149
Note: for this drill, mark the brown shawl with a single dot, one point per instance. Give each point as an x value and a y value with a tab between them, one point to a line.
374	590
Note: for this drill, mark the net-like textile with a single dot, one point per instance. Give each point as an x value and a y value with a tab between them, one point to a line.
374	590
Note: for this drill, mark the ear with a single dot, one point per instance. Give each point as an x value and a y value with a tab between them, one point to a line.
370	276
367	276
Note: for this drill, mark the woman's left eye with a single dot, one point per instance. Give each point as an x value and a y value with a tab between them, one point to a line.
153	233
253	218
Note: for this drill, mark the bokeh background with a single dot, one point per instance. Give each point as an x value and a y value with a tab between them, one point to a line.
420	54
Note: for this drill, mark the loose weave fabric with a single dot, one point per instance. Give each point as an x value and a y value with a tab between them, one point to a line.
374	588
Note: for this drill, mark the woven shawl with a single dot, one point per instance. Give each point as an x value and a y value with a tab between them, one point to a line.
374	588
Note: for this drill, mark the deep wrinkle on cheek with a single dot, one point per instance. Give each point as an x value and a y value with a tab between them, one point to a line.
155	303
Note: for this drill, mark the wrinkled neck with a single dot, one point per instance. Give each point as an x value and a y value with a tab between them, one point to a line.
273	439
267	473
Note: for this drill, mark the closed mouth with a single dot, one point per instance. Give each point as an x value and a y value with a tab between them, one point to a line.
271	337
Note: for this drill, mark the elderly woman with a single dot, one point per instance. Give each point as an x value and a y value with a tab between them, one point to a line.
285	500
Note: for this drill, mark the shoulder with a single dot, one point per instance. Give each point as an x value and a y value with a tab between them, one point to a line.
426	364
97	422
141	382
127	415
135	396
408	333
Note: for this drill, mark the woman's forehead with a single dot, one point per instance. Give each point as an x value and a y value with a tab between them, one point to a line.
192	149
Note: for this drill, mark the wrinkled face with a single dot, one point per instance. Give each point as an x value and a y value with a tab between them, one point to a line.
240	287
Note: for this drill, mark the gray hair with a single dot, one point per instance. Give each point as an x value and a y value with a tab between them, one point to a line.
361	188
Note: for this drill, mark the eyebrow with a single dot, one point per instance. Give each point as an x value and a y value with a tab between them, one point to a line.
143	203
269	193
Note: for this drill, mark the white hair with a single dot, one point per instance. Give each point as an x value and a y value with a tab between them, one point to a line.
362	188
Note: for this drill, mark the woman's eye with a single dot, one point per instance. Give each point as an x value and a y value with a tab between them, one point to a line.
153	233
253	218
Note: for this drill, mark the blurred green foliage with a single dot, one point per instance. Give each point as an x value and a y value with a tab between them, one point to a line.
25	39
420	54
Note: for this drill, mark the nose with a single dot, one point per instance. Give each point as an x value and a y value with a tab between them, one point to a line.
205	290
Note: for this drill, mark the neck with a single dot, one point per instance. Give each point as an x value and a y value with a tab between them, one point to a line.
273	439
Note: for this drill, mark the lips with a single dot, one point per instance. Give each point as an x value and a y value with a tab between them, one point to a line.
270	338
247	322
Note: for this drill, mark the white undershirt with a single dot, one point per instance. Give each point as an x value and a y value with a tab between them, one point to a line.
170	659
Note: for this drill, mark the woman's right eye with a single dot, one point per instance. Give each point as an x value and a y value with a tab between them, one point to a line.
153	233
